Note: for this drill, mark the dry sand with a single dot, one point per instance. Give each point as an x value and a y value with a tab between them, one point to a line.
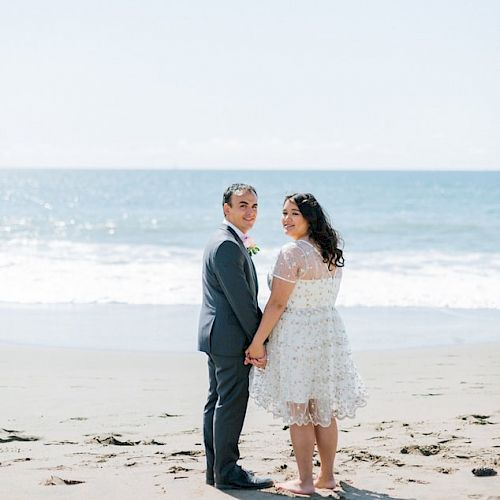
126	425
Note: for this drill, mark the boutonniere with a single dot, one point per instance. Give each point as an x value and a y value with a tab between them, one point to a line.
250	245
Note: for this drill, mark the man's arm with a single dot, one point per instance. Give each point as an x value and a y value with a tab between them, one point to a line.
229	269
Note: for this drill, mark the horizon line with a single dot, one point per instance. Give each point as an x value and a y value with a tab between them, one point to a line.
249	169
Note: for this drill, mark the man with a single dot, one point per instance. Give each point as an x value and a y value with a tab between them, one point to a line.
229	319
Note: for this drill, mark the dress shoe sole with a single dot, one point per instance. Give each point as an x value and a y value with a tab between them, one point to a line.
222	486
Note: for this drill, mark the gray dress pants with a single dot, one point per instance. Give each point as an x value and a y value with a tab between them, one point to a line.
224	414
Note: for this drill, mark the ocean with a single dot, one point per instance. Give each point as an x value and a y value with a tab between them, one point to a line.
411	239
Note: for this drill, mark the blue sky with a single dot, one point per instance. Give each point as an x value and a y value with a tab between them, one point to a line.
262	84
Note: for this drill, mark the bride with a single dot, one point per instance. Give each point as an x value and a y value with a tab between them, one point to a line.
310	379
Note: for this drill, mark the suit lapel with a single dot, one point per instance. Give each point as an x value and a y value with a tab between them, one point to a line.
254	272
247	257
237	238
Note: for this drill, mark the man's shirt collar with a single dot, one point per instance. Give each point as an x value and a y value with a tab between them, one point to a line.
240	233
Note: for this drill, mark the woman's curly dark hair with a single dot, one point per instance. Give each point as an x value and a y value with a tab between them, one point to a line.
320	228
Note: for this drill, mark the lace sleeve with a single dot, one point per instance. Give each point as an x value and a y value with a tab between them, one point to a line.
290	264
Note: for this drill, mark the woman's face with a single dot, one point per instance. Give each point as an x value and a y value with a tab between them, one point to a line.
294	223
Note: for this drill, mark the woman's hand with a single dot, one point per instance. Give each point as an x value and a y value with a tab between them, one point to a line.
256	355
256	351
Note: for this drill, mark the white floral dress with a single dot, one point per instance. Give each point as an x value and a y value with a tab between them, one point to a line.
310	376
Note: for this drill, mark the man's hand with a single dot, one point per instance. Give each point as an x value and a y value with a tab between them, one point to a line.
255	351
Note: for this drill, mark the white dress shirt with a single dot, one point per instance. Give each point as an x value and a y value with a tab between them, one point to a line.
239	232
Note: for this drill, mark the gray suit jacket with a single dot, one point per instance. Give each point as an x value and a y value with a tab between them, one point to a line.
229	314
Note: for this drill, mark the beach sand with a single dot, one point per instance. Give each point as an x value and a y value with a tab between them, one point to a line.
89	424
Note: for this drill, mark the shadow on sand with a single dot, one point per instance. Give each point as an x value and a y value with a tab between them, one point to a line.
347	492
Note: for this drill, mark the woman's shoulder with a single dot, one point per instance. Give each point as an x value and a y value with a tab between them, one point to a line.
294	253
295	247
300	246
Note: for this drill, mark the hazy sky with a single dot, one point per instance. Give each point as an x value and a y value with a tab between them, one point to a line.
250	84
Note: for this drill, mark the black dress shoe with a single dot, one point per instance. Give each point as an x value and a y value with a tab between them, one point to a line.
242	479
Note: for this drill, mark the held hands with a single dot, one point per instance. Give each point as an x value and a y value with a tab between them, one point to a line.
256	355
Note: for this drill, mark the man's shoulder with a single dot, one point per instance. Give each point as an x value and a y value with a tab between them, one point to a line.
221	238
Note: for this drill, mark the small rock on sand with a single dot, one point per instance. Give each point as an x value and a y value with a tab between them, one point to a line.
484	471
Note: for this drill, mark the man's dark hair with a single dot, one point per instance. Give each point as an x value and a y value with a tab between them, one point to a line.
235	188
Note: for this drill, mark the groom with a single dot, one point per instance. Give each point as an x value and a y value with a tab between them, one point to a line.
229	318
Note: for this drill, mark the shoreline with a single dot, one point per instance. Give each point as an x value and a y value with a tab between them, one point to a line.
173	328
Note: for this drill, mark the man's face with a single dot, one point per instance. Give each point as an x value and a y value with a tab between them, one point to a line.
242	212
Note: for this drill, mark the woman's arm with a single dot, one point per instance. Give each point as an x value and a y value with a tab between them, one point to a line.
280	293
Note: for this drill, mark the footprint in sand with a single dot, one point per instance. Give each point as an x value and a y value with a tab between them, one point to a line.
428	394
153	442
105	458
384	425
410	480
112	439
178	468
445	470
365	456
426	450
59	443
10	462
10	435
169	415
187	453
74	419
477	419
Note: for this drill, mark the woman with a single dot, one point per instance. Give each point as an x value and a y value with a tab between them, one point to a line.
310	378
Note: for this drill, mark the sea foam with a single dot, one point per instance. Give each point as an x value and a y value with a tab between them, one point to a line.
63	272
